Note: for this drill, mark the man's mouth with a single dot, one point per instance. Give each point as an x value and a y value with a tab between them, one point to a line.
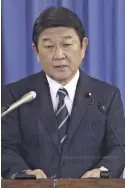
61	67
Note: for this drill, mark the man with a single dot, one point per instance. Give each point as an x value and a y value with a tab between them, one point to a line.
75	126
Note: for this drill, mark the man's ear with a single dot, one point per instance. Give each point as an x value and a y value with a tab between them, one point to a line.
84	46
84	43
36	51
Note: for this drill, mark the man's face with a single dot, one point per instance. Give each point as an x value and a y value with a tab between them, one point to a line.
60	52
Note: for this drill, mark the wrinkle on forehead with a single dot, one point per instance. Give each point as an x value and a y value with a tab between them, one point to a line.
58	33
45	38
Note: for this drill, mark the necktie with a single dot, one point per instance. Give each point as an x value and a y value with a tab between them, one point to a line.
62	115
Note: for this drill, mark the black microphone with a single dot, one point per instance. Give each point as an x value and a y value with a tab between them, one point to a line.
103	110
28	97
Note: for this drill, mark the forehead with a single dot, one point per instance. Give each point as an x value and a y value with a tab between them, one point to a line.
58	33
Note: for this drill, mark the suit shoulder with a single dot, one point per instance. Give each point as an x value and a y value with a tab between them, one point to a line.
102	92
20	87
101	85
23	81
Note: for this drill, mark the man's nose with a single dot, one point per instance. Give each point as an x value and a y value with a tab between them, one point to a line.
58	53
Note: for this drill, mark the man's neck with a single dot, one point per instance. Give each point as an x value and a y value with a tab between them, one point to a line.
64	82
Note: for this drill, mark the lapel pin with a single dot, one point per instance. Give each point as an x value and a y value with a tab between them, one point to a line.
91	97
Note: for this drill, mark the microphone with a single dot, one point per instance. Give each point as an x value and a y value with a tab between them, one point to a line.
103	110
28	97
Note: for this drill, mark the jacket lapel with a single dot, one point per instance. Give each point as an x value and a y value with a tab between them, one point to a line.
81	103
45	108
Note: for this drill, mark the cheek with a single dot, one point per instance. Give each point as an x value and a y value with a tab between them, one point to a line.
75	57
82	54
45	59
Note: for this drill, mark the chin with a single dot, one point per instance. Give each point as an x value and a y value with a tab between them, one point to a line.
62	78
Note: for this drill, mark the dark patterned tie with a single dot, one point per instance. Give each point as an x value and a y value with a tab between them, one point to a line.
62	115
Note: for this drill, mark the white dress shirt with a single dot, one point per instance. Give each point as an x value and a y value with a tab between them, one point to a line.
70	87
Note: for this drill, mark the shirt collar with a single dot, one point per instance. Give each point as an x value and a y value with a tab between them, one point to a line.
70	87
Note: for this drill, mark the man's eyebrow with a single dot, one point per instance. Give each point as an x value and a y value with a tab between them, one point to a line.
67	37
44	39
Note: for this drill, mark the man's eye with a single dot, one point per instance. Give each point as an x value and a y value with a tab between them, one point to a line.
67	44
49	46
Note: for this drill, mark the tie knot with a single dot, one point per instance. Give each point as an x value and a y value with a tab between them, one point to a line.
62	92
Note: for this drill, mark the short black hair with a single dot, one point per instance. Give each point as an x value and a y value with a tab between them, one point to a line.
57	17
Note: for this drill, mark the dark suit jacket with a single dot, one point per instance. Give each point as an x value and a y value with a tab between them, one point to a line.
30	138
